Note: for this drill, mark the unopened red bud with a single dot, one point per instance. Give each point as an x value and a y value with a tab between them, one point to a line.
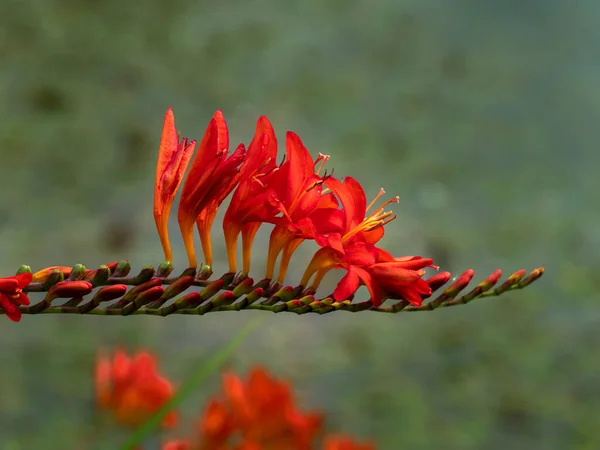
245	287
191	300
255	295
179	286
99	276
133	293
534	275
70	289
165	269
511	281
212	289
145	274
108	293
460	283
438	280
149	296
112	266
56	276
224	298
123	268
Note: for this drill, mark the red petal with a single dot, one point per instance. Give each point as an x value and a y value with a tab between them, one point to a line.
377	296
359	199
23	299
24	279
11	310
301	166
411	264
262	151
360	254
328	220
328	201
342	192
347	286
335	242
222	133
373	236
9	284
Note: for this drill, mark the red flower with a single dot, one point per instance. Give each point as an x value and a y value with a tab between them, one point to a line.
298	187
353	249
132	389
173	158
211	178
351	236
341	442
12	295
262	412
216	425
253	202
399	279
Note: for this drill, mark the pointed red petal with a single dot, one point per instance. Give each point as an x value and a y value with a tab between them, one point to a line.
347	286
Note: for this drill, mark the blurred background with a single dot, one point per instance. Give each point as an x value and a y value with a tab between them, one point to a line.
482	115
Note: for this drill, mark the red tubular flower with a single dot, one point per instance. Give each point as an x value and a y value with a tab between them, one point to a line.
341	442
12	295
173	158
396	280
211	178
253	202
298	186
353	249
353	235
132	389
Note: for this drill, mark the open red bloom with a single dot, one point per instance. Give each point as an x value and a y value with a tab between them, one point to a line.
12	295
398	279
352	233
298	187
132	389
173	158
254	201
342	442
211	178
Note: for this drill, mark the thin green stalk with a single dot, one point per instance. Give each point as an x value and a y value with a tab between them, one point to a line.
208	368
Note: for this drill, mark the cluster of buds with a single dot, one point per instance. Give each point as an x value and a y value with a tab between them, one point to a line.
257	413
298	198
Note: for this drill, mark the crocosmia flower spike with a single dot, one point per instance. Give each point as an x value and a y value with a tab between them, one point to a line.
293	194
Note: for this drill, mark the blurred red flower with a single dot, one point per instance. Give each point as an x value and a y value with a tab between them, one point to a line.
262	412
132	389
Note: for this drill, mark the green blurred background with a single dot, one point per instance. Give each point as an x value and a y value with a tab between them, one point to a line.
481	114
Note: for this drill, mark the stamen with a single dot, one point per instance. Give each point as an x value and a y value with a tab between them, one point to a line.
381	192
323	159
376	219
